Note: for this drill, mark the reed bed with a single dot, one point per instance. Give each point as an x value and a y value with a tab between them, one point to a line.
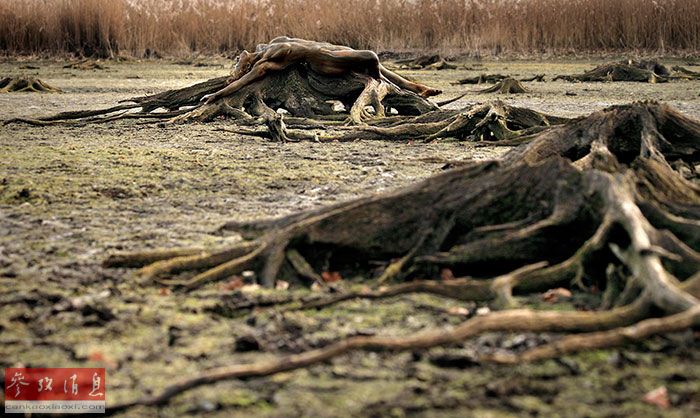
180	27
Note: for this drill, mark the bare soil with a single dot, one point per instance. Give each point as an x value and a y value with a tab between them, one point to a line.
71	194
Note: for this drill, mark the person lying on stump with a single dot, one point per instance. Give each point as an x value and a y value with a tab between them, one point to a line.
321	57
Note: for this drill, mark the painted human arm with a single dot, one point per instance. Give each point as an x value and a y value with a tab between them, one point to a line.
257	72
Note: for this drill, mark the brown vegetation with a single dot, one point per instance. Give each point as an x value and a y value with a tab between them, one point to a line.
99	28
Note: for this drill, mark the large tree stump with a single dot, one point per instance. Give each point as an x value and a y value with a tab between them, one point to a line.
486	218
582	200
298	90
305	96
304	93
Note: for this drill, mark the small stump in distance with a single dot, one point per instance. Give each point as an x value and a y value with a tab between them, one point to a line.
25	84
508	85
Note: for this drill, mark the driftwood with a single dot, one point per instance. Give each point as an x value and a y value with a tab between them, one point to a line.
596	194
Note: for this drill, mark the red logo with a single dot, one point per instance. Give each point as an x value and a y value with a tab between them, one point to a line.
65	390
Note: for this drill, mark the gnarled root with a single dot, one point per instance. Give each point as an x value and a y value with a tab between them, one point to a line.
511	320
494	123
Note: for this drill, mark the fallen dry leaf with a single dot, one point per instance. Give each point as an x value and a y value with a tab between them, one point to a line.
553	295
658	397
281	285
164	291
331	276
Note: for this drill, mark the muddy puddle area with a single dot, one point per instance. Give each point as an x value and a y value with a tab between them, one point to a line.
70	195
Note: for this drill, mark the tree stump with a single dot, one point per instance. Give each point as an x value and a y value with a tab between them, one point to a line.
25	84
616	72
490	217
298	90
506	86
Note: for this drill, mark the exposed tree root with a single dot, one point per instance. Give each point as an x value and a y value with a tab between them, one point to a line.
650	65
604	339
24	84
684	73
442	65
481	79
606	142
511	320
460	289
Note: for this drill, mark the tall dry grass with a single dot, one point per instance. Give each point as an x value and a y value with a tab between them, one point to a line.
176	27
